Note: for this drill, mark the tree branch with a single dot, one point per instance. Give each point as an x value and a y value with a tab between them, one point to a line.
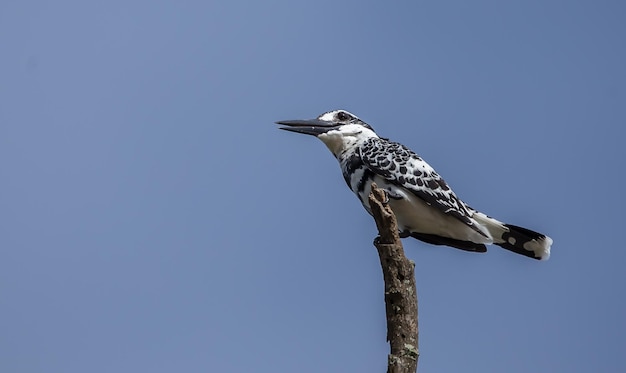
400	292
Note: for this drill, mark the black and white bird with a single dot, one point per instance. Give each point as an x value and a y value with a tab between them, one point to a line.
425	206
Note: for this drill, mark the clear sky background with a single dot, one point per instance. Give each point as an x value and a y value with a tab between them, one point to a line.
153	219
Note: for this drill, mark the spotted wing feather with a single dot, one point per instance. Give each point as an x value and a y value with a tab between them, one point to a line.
402	167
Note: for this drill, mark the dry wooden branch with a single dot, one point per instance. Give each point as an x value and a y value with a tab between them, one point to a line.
400	292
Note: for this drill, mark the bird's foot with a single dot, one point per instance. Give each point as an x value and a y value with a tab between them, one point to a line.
393	195
389	195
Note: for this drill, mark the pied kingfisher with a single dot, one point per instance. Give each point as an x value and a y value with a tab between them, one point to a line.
425	206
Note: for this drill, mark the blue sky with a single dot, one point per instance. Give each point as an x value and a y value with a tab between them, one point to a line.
154	219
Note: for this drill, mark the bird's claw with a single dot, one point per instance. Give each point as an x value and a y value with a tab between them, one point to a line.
386	200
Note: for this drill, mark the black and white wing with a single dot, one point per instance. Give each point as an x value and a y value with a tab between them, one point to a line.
402	167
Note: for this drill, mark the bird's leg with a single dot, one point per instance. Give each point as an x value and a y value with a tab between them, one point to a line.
393	195
390	194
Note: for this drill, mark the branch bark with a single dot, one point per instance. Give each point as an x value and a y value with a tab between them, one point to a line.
400	292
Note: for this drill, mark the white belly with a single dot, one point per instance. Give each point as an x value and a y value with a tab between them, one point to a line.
415	215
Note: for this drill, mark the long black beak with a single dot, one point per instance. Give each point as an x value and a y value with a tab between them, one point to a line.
313	127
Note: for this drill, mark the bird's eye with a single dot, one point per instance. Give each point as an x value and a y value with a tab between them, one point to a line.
343	116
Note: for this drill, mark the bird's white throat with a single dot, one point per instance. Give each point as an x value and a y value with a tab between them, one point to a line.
345	138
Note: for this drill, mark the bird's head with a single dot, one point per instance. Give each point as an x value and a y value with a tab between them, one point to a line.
338	129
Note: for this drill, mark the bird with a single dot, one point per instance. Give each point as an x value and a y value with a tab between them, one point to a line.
425	206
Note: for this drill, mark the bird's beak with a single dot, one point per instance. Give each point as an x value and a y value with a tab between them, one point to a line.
313	127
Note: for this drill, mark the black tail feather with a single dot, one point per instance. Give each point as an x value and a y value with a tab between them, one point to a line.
517	237
438	240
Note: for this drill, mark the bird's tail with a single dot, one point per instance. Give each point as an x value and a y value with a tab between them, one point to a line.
516	239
